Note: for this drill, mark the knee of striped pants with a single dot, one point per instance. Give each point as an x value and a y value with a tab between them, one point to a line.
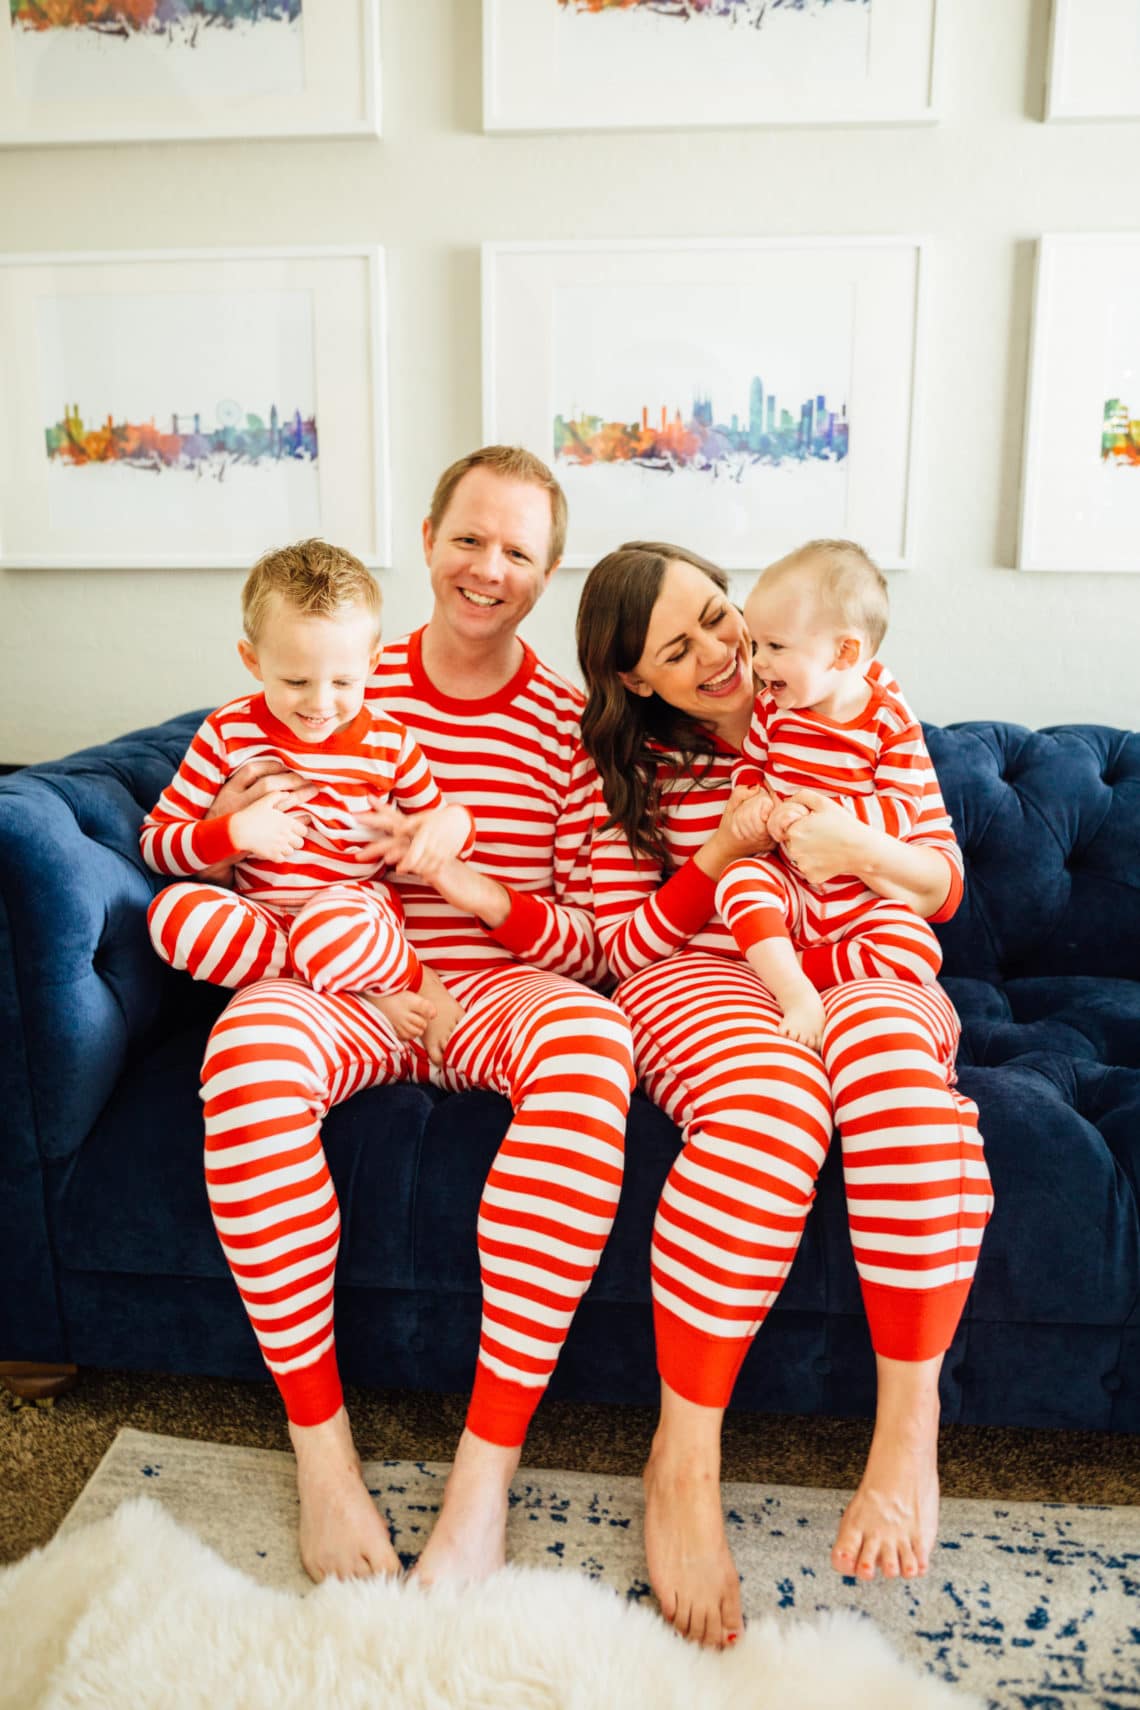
349	938
213	934
551	1195
897	945
918	1190
265	1091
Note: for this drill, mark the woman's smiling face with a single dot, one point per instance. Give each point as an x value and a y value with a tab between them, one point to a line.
697	654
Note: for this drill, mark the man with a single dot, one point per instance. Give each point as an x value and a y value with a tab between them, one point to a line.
508	946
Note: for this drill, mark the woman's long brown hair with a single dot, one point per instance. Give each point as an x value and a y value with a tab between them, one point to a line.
629	737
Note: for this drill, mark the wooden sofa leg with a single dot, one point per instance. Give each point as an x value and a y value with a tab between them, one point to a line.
30	1381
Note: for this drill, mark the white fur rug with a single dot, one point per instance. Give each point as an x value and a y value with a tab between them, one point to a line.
133	1611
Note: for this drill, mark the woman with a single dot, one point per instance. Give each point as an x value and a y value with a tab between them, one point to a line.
667	663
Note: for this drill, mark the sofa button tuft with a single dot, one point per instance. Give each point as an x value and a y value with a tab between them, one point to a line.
1112	1382
821	1365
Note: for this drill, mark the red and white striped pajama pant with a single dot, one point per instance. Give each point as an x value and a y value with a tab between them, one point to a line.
756	1113
281	1056
845	932
347	937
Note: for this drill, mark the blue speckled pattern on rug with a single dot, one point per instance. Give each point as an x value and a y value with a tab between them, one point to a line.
1030	1606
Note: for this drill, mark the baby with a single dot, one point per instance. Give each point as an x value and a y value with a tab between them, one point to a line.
303	904
829	718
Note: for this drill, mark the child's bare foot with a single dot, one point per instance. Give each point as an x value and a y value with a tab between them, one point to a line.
448	1013
804	1016
410	1013
343	1536
469	1541
891	1523
691	1568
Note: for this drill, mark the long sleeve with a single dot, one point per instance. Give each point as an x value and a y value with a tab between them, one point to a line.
175	837
640	918
560	934
750	768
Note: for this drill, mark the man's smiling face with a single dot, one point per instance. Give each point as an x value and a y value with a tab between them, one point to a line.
489	560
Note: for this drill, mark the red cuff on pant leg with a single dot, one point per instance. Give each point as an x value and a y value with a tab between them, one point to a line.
313	1393
756	926
913	1323
818	963
700	1368
501	1411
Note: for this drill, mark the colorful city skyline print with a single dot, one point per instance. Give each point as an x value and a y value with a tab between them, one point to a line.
184	20
181	414
1120	435
237	436
751	12
703	413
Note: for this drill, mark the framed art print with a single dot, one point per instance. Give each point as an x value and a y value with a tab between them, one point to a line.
191	407
737	397
1080	507
663	64
94	71
1094	60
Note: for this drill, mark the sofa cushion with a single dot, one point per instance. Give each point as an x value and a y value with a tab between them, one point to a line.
1093	1020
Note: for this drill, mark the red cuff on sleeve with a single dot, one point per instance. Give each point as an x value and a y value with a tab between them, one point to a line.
687	899
953	895
524	925
213	840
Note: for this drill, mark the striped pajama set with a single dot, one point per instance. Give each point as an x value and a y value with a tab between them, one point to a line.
756	1111
321	915
281	1055
877	767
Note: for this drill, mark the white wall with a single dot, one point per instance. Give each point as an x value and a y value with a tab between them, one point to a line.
86	655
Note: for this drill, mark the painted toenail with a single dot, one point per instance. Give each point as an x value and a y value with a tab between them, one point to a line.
731	1638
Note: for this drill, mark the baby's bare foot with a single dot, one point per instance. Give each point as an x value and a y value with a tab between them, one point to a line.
691	1568
804	1017
409	1013
342	1534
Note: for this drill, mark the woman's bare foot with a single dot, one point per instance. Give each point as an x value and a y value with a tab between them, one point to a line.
409	1013
448	1013
891	1523
343	1536
469	1540
691	1568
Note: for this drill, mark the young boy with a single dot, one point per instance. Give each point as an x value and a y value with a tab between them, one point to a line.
829	718
303	904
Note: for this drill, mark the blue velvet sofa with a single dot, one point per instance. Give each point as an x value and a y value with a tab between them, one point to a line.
108	1256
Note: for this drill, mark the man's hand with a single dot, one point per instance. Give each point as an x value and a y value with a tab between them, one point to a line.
247	785
267	828
432	838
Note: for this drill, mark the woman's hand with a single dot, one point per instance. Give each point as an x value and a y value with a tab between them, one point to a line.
823	841
743	830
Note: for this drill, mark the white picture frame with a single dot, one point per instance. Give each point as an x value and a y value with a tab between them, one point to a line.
667	64
1080	494
295	68
192	408
1094	60
736	396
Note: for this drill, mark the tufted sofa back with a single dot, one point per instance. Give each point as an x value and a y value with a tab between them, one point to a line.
1049	823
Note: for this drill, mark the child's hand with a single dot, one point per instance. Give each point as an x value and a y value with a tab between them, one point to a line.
782	817
265	829
433	838
750	818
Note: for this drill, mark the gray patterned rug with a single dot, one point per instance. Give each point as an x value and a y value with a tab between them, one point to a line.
1030	1606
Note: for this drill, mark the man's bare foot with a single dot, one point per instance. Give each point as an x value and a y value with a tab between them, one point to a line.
448	1013
891	1523
409	1013
691	1569
803	1017
469	1541
343	1536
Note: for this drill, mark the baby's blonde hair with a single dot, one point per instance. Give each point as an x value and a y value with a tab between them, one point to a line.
846	581
313	578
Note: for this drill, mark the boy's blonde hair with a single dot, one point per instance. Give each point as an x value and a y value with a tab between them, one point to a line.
845	580
313	578
513	463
